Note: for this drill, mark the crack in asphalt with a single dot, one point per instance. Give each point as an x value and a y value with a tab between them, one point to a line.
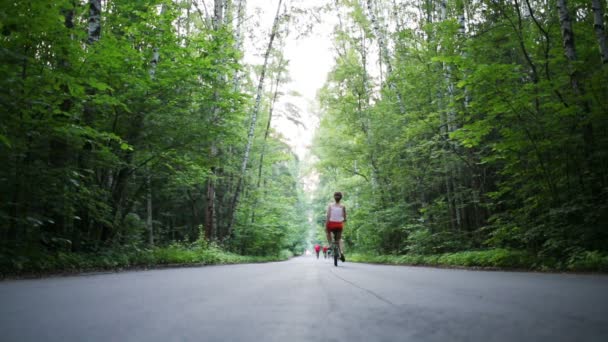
379	297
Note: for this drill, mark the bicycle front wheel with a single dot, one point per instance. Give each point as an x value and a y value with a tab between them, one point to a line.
335	253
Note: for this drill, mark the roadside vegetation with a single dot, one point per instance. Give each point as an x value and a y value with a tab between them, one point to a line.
479	141
461	133
132	130
494	259
199	253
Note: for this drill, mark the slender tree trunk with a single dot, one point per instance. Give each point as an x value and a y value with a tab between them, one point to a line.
94	21
210	213
398	22
363	104
254	115
448	127
210	210
149	219
154	62
566	28
222	10
195	212
149	209
455	123
598	24
238	38
188	21
385	55
229	12
275	95
93	36
579	92
218	13
60	149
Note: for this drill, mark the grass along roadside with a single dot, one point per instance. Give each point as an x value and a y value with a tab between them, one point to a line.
586	261
41	264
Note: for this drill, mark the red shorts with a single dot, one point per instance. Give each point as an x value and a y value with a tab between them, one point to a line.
331	225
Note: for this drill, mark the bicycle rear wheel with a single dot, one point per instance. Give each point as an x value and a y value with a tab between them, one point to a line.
335	253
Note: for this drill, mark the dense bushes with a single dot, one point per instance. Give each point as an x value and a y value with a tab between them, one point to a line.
38	262
495	258
129	137
466	144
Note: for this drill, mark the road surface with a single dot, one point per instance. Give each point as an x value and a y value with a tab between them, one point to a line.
306	299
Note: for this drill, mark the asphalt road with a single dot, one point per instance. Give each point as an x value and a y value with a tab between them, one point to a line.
305	299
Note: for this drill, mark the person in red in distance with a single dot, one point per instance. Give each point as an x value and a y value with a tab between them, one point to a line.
336	216
325	252
317	249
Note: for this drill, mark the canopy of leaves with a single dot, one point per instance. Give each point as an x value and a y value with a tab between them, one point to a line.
500	142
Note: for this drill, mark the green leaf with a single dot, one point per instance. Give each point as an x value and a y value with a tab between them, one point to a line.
99	85
5	141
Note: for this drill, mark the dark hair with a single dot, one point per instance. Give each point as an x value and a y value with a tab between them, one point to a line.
337	193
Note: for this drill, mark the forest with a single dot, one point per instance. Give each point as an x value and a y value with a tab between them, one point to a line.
462	132
482	136
132	129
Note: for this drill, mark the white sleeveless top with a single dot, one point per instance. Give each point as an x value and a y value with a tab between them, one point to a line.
336	213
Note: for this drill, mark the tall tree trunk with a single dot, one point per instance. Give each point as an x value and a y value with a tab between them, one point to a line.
363	105
449	126
60	153
94	32
254	115
149	209
385	55
579	93
229	12
154	62
238	36
598	24
275	95
397	16
149	214
210	208
221	14
566	28
218	13
93	36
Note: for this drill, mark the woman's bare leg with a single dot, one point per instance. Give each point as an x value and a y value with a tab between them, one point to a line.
339	239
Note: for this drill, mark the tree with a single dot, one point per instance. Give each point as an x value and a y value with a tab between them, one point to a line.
254	115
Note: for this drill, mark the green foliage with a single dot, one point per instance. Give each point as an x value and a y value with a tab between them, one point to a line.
92	131
588	261
582	261
497	258
273	217
484	136
37	262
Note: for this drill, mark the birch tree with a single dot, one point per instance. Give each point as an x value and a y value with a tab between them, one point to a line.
567	32
219	23
386	56
241	5
274	97
598	25
94	29
254	115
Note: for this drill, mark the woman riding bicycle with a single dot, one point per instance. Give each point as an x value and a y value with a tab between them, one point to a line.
336	216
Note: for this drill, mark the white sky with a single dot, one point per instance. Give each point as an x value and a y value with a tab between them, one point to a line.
310	59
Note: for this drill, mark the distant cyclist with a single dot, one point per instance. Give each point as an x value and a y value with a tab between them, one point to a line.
336	216
317	249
